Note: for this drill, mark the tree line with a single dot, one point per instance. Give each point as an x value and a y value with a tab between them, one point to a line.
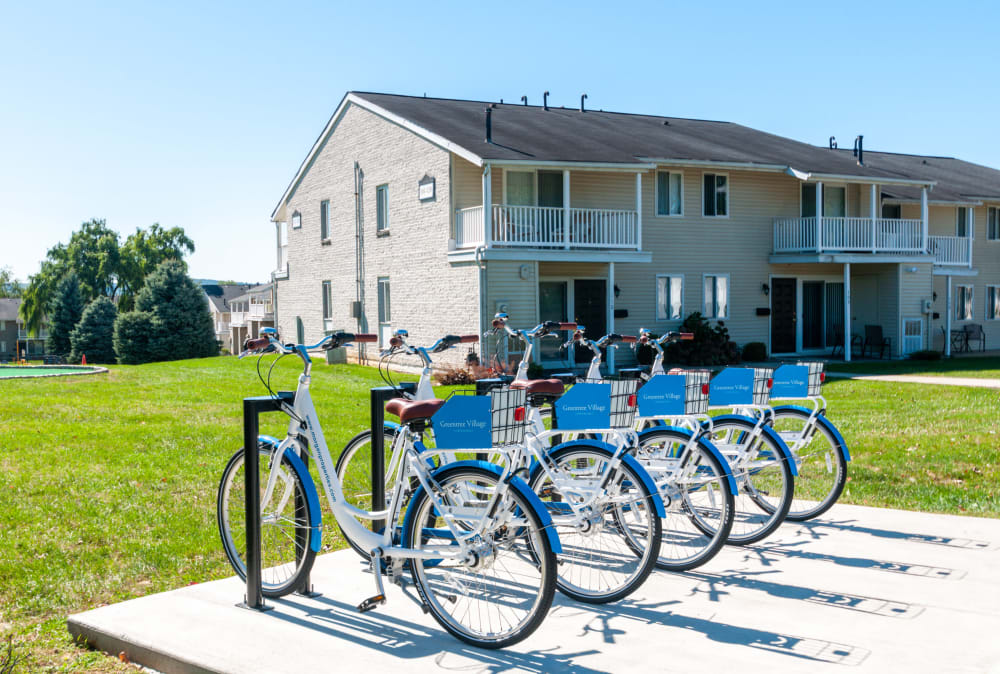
130	302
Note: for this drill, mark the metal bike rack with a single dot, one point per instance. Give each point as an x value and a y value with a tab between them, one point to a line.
379	396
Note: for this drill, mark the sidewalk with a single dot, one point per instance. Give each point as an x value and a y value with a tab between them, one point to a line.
919	379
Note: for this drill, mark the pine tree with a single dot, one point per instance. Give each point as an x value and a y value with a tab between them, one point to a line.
94	334
64	314
133	331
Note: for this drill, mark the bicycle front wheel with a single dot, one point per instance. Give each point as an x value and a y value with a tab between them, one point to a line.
286	547
763	478
501	591
820	461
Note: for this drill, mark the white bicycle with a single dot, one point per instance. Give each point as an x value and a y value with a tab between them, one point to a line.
479	545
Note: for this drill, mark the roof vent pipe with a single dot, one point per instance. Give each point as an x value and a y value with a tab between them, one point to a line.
833	142
545	100
524	99
582	99
489	124
859	150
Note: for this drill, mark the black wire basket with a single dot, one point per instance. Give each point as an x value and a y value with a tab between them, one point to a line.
816	375
763	378
623	399
508	413
696	391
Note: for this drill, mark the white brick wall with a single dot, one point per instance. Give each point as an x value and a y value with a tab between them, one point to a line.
429	296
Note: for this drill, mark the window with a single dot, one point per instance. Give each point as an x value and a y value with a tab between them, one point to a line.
327	303
382	206
324	220
296	220
834	201
993	303
892	211
963	303
963	222
716	296
669	297
669	191
993	223
384	312
715	193
520	188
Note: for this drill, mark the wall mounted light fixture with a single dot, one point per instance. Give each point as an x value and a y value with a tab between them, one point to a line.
618	291
766	289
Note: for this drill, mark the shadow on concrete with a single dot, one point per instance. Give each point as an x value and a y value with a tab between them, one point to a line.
713	584
790	550
609	621
815	530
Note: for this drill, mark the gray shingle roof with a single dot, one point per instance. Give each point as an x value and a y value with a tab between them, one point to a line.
220	296
8	308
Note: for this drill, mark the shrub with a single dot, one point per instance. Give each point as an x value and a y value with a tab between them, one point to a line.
67	307
94	334
449	375
710	346
926	354
133	331
754	352
535	371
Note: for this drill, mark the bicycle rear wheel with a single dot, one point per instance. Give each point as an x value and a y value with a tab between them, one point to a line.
354	468
763	478
286	548
500	593
820	461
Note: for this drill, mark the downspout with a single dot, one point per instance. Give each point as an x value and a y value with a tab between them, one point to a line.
483	320
359	256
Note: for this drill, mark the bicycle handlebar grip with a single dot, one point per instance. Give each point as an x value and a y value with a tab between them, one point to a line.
567	326
468	339
365	337
687	336
629	339
254	344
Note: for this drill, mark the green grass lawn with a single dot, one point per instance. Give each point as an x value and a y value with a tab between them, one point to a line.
980	367
108	481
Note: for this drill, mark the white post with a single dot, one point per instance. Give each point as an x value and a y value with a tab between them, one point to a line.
847	312
487	206
874	212
972	233
947	321
611	314
566	220
819	219
923	215
638	211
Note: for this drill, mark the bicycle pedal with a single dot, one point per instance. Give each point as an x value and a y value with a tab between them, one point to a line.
371	603
425	608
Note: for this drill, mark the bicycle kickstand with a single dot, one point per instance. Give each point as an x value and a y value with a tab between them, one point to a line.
379	599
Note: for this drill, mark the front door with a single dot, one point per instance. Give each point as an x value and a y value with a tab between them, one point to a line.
812	315
550	189
590	309
553	305
783	315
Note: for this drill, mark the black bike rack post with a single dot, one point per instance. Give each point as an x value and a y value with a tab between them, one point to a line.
379	396
252	409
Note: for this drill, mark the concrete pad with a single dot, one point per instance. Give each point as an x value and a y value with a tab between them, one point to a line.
860	589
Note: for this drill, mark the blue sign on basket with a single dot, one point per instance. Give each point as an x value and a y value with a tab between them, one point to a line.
584	406
732	386
463	422
662	396
791	381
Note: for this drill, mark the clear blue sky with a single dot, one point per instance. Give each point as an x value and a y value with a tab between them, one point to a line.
198	114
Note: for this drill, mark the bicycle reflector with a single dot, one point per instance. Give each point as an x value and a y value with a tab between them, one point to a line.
770	382
822	377
704	389
633	400
519	414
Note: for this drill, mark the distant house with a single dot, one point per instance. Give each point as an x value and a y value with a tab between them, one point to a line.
14	338
250	312
220	297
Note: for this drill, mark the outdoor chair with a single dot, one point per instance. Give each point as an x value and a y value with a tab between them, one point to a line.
875	340
974	333
838	343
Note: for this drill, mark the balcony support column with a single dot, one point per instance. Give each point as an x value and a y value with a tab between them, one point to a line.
947	320
873	208
847	312
487	206
566	214
923	215
638	211
611	314
819	220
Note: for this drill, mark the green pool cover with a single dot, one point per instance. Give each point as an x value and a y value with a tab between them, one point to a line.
9	371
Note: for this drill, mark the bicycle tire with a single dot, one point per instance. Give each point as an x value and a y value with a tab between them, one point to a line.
822	455
279	576
525	546
354	471
700	511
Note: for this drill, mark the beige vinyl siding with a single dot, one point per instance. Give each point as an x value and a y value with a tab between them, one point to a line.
986	258
915	287
595	189
467	183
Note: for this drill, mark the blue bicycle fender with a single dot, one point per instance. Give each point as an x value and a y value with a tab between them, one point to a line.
628	460
713	450
516	483
768	431
310	489
825	423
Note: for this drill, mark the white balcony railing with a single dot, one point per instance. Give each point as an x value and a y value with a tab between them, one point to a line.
544	227
238	319
282	271
822	235
951	250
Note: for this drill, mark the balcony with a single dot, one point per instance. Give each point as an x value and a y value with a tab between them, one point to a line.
282	271
952	251
848	235
543	227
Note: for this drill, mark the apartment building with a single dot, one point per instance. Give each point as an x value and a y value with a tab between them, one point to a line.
433	214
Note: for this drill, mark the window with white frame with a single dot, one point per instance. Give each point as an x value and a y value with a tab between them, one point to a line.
384	313
296	220
716	296
669	297
963	303
382	207
324	220
520	188
715	195
327	303
669	193
993	223
993	303
963	221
